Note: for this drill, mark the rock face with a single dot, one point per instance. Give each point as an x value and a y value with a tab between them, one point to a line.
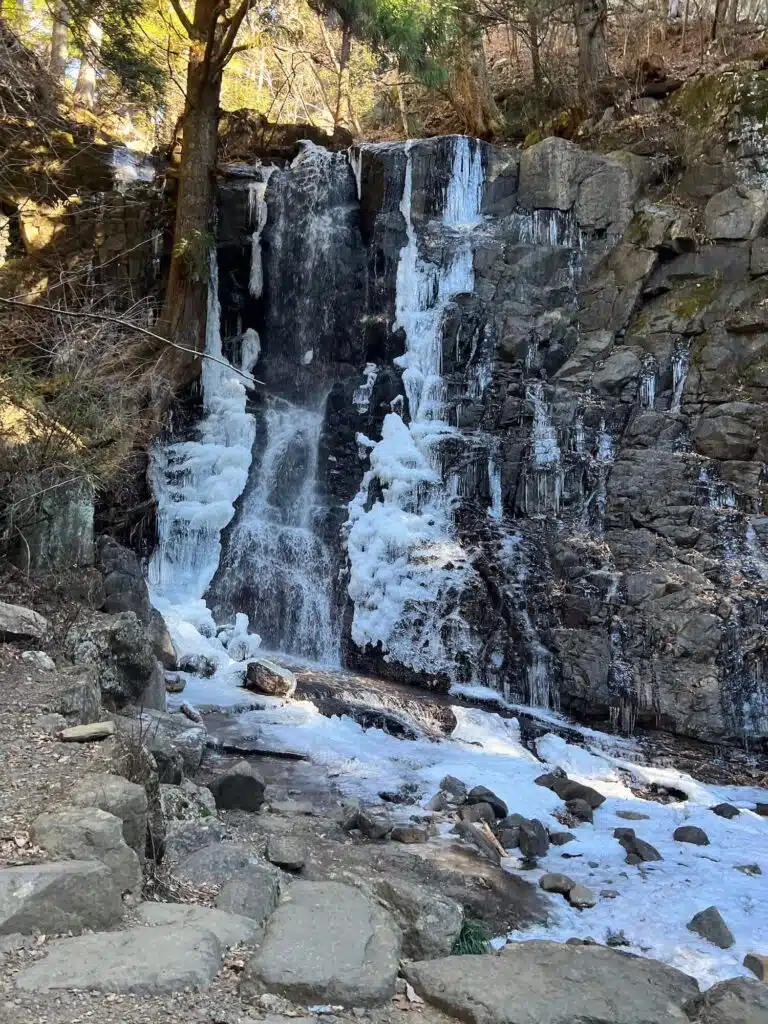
142	961
67	896
551	983
327	943
602	369
737	1001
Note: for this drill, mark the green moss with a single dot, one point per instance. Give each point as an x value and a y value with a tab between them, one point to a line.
473	938
706	103
697	299
532	138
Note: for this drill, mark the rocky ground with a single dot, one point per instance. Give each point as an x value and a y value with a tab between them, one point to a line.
154	873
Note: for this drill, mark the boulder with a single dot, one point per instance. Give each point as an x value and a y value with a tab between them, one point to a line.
429	921
327	943
736	1001
477	812
240	787
553	983
171	738
183	838
80	700
263	676
409	833
229	929
533	841
567	789
197	664
561	838
725	811
757	964
116	795
142	961
580	810
710	925
21	622
483	795
160	638
553	882
637	849
581	897
66	896
253	892
125	589
88	833
286	852
216	864
88	733
691	834
372	824
40	660
119	647
454	788
186	802
735	213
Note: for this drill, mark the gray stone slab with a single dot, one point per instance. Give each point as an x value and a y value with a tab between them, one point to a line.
229	929
66	896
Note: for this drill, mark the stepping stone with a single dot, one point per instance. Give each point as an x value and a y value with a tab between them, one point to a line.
254	893
710	925
749	869
327	943
239	788
88	833
726	811
216	864
229	929
483	795
581	897
554	983
691	834
142	961
66	896
556	883
638	851
88	733
116	795
430	922
286	852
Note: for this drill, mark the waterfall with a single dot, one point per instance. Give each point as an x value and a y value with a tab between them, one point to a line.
407	570
274	567
196	483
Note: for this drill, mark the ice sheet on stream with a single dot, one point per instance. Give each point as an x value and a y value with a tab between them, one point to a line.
654	902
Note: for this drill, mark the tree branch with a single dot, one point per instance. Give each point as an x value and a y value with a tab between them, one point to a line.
220	58
183	17
133	327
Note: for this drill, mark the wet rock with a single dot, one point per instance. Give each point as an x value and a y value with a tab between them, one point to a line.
228	928
80	699
240	787
286	852
580	810
263	676
477	812
736	1001
174	682
216	864
297	960
691	834
581	897
561	838
142	961
407	833
554	983
558	883
725	811
711	926
429	921
21	622
87	833
534	841
253	892
197	664
758	964
66	896
762	810
115	795
483	795
160	638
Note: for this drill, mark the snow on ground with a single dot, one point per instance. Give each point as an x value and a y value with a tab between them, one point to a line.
654	901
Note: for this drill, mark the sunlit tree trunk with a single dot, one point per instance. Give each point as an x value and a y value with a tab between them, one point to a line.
57	63
85	89
469	89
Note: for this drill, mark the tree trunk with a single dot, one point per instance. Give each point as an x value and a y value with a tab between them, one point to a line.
469	90
343	88
535	45
717	20
184	314
57	63
85	89
591	17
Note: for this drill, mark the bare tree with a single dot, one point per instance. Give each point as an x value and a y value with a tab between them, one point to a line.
57	63
590	19
85	88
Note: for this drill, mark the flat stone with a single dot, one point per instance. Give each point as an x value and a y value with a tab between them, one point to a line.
253	892
404	833
554	882
229	929
263	676
142	961
116	795
561	838
88	833
88	733
710	925
691	834
216	864
429	921
581	897
326	943
554	983
736	1001
483	795
240	787
632	816
66	896
18	621
758	964
286	852
725	811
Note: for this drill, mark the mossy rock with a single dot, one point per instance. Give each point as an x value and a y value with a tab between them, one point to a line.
707	105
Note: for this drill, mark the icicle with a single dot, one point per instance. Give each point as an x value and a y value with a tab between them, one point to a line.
680	362
362	395
496	509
